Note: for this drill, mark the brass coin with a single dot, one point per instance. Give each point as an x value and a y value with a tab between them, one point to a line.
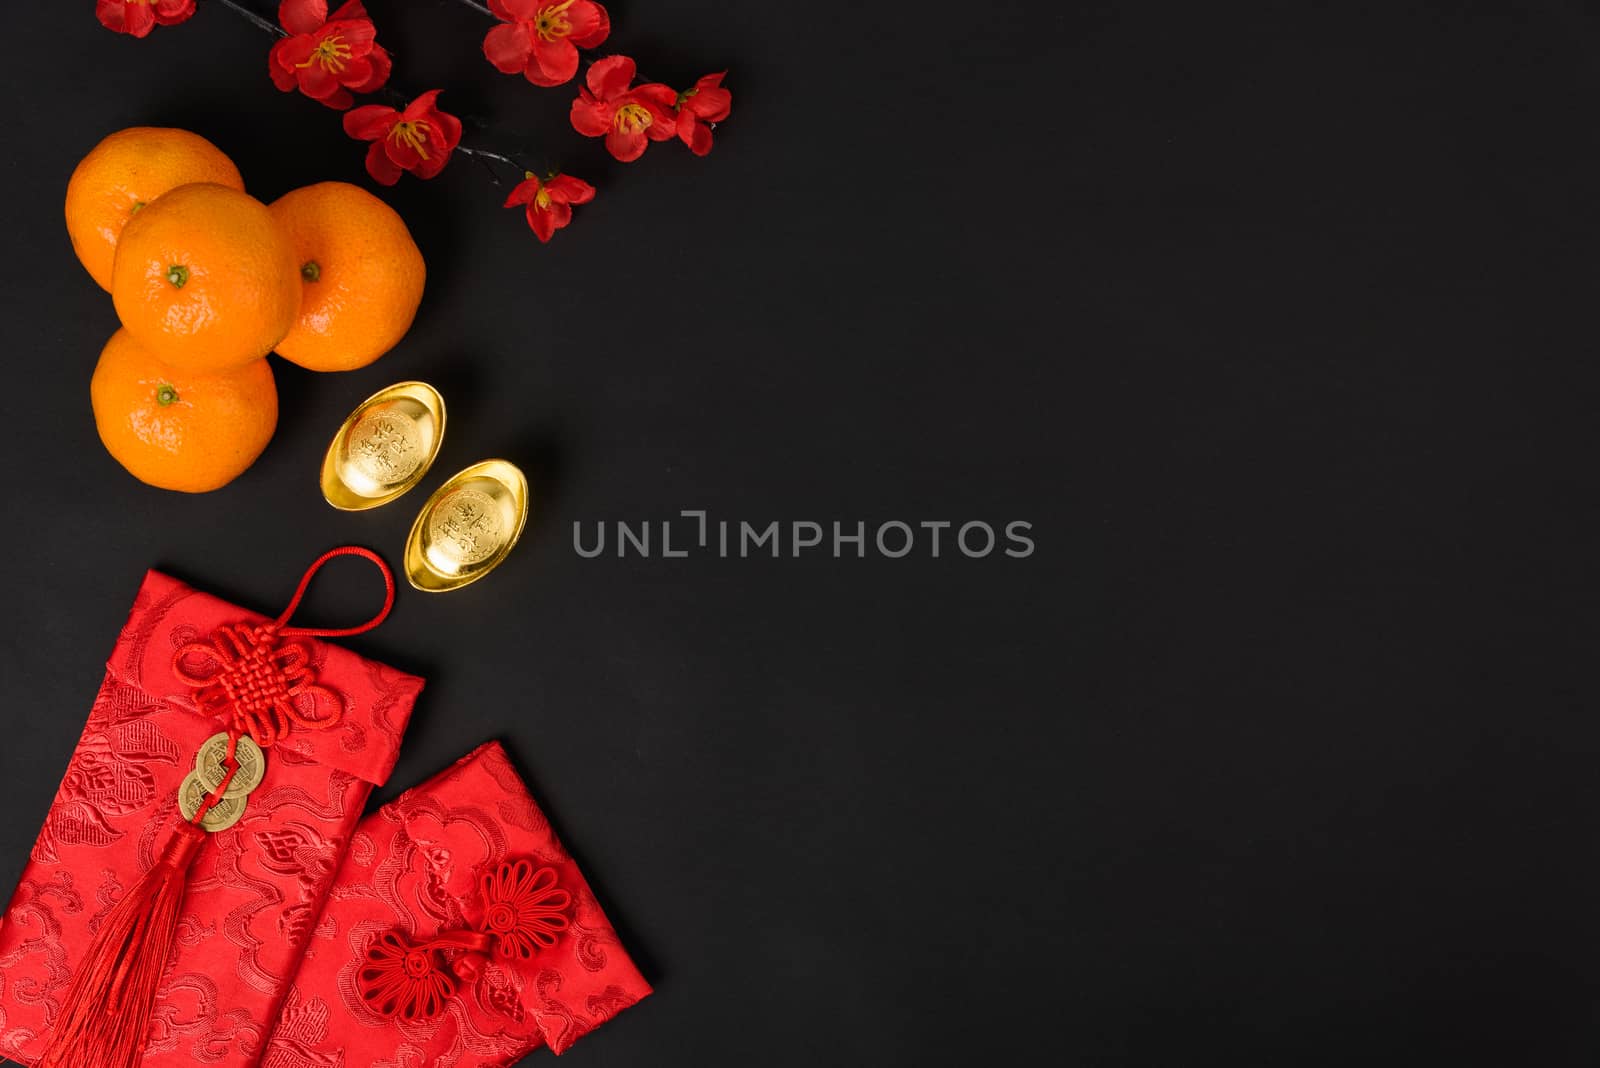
252	764
219	817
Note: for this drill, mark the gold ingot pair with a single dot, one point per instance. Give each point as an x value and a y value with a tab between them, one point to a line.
469	524
209	770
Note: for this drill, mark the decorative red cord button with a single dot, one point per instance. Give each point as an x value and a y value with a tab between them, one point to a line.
524	912
399	979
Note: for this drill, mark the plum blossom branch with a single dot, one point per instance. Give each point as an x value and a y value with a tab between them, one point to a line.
333	57
396	96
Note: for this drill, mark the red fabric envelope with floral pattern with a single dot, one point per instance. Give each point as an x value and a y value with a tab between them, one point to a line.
255	889
458	932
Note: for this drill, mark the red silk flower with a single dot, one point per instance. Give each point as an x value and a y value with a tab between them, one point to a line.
139	17
328	58
627	116
540	38
418	139
706	103
549	202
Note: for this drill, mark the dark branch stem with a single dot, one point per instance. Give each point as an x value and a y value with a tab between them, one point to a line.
261	23
486	154
474	5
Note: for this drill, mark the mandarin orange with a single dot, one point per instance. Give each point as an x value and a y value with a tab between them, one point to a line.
181	430
126	172
362	276
205	277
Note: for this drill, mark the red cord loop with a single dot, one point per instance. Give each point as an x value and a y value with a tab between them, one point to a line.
345	632
262	685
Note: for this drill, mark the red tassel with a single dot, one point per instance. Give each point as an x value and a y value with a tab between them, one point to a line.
107	1008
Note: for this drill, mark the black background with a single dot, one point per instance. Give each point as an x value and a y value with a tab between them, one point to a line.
1278	327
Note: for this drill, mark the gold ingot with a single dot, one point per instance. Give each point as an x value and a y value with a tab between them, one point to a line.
208	766
384	447
219	817
467	527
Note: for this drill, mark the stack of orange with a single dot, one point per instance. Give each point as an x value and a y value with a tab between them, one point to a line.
207	281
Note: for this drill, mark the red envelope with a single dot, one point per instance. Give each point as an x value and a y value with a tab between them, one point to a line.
255	889
415	875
